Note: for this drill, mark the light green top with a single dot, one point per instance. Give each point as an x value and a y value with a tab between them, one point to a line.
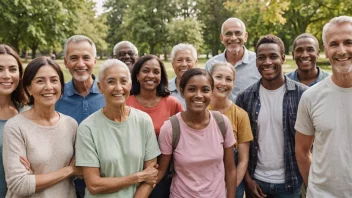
118	149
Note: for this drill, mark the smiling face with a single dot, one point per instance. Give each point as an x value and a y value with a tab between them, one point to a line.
115	85
80	60
270	61
149	75
45	86
223	81
338	47
305	54
9	74
183	61
233	36
197	93
126	54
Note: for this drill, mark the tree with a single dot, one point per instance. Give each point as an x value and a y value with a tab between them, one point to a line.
212	14
185	31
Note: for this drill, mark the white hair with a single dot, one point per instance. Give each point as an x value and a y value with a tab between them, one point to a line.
77	39
129	44
112	63
183	46
216	66
236	20
336	20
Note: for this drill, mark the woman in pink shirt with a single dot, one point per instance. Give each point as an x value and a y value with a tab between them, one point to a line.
203	159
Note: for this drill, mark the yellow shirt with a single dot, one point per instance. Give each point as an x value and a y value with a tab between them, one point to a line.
240	123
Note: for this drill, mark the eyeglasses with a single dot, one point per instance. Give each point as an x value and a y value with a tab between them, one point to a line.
230	34
122	54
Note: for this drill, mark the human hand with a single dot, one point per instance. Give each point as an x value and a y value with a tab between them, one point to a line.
77	171
253	189
26	164
149	175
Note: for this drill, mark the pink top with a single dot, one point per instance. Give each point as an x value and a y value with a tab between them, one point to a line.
167	107
198	158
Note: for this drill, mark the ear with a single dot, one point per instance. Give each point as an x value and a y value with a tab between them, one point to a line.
28	88
183	96
283	58
245	37
65	62
221	38
95	61
293	55
326	51
318	53
99	86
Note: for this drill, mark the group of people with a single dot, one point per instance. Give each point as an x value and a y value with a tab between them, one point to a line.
238	126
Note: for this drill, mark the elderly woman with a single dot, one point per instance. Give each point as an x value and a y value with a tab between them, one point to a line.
126	52
11	96
224	77
183	57
150	93
116	146
41	136
203	158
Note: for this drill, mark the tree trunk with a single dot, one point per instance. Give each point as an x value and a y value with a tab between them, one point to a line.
34	50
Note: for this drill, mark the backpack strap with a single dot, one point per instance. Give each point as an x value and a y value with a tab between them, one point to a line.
175	125
175	132
220	121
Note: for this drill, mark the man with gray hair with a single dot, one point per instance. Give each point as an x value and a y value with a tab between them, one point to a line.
233	36
126	52
324	119
81	95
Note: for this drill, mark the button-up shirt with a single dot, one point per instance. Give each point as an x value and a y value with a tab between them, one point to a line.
321	75
78	107
249	100
176	93
246	71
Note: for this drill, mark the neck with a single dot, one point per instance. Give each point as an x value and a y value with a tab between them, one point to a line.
43	112
195	117
5	102
233	58
220	103
116	113
147	95
308	75
83	87
273	84
342	80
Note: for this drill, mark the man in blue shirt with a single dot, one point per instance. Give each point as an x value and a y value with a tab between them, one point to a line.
81	95
306	53
271	104
233	36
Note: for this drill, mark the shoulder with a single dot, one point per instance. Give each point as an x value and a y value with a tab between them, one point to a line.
15	121
139	115
298	86
251	54
213	60
291	75
316	89
68	120
92	119
171	100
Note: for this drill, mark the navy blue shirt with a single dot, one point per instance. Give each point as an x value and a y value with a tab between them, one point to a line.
78	107
249	100
321	75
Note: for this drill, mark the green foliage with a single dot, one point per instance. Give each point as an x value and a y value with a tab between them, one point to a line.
185	31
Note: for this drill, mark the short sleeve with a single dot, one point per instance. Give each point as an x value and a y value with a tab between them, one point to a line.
86	152
244	133
230	137
151	148
18	178
177	106
165	140
304	122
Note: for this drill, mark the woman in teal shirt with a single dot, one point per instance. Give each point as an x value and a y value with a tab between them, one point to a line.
11	96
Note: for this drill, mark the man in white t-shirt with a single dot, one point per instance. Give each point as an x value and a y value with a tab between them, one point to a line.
272	104
325	118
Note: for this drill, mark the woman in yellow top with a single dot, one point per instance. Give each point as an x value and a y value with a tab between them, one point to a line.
224	76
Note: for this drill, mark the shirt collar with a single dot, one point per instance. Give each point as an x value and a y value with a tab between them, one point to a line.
172	84
245	58
290	84
70	89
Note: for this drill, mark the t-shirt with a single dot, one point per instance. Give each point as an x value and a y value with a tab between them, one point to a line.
198	158
48	149
325	112
117	149
271	163
240	123
167	107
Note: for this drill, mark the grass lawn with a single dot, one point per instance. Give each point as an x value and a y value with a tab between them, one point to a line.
289	66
